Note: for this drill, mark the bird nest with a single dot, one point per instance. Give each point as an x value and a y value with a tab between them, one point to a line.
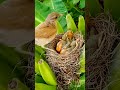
65	66
98	62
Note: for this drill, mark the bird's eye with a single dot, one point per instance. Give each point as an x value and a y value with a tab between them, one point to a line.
55	17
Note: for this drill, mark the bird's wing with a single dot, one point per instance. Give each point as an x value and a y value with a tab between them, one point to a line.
44	31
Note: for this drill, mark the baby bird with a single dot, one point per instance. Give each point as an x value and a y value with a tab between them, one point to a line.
68	35
46	31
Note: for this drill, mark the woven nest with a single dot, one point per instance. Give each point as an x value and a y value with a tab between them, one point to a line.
98	62
66	66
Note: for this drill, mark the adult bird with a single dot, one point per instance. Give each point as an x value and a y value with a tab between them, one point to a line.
46	31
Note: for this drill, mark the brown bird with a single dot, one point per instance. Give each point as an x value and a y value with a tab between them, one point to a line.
46	31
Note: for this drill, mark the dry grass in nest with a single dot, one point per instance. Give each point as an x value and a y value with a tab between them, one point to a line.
66	66
99	61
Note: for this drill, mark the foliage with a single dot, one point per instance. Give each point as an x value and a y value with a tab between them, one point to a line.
44	7
81	25
59	28
9	59
112	7
1	1
82	61
75	8
70	23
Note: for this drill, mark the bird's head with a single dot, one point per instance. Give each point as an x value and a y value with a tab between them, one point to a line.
52	17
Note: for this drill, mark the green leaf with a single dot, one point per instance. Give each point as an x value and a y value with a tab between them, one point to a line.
41	12
75	13
37	58
59	28
82	4
37	69
82	82
70	23
41	86
47	73
63	23
43	9
75	1
39	54
56	5
82	61
38	18
81	25
40	51
39	79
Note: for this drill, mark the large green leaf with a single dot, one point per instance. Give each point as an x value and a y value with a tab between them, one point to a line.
56	5
43	9
70	23
82	4
63	22
41	12
59	28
